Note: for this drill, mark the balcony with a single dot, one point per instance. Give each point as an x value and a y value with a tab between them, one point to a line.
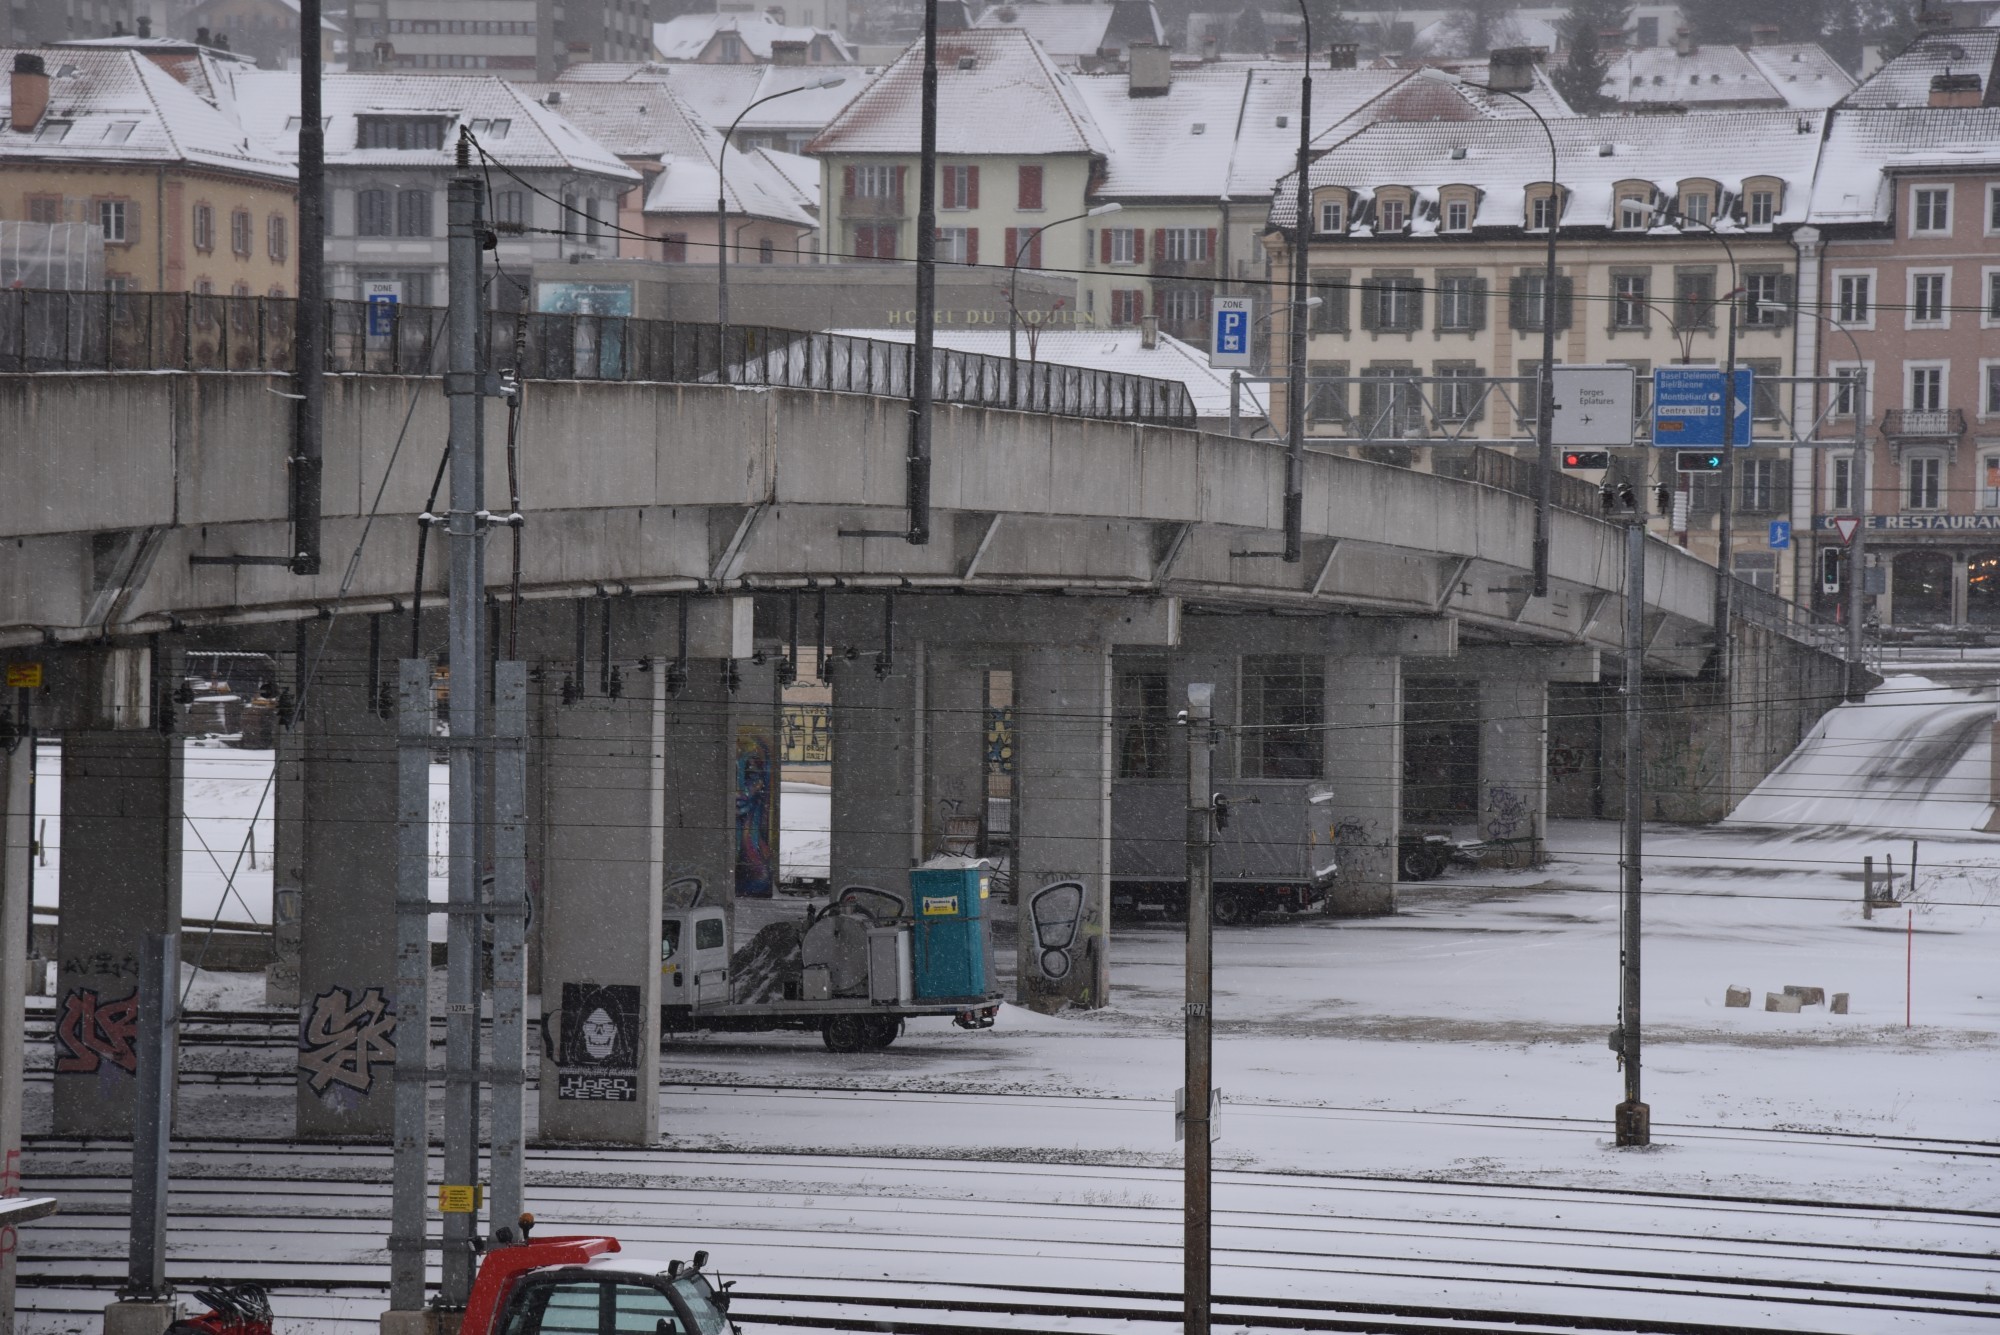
1910	425
856	208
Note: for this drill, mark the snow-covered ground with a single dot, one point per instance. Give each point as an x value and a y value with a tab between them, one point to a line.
1417	1108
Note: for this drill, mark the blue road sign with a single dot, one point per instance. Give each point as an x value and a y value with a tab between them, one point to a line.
1687	406
381	314
1229	334
1781	533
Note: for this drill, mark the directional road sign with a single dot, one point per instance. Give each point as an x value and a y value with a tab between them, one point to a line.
1687	406
1781	533
1230	320
1593	406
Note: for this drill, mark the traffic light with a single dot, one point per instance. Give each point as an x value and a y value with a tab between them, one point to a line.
1586	459
1697	461
1831	562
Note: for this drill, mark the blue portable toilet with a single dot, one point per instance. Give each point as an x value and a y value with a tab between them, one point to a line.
952	953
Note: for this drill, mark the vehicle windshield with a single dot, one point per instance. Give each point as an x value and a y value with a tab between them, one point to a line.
699	1298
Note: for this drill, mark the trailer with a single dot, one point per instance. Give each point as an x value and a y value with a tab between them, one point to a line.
1274	848
854	971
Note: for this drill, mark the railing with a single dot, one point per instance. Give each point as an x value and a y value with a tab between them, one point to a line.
1761	607
1931	422
155	331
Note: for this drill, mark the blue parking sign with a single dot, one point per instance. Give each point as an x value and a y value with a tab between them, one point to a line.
1229	332
1781	533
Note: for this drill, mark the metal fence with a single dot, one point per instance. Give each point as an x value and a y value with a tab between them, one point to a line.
153	331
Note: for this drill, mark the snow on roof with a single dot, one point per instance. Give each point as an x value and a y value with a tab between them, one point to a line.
800	173
1864	150
535	136
998	92
1178	145
1803	73
687	36
1073	32
120	106
1452	36
721	93
633	120
754	187
1905	79
1115	350
1503	158
1713	75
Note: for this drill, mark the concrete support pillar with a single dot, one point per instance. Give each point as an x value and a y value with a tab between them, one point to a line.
347	921
121	879
288	860
605	825
878	779
16	893
1062	825
1514	760
700	847
954	761
1364	766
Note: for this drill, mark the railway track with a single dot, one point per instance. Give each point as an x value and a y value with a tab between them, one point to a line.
955	1245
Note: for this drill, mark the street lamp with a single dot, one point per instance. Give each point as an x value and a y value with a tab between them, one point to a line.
1021	249
1523	72
722	205
1295	371
1723	544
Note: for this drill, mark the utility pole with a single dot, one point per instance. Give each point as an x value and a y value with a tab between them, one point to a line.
466	615
1857	552
1200	1027
922	353
1295	387
309	348
1633	1119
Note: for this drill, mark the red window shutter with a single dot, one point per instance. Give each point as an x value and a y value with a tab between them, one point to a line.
1211	244
1157	303
947	187
972	243
901	172
1030	188
847	186
1159	249
1035	251
1013	244
1105	244
972	187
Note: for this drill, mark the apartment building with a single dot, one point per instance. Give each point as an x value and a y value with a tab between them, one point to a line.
1906	271
1428	256
186	201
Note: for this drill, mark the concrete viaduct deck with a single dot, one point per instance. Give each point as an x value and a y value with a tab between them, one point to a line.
116	480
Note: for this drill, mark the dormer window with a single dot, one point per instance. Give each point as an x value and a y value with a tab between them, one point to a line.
1392	215
1457	216
1759	208
1331	215
1695	207
1544	210
417	133
1634	213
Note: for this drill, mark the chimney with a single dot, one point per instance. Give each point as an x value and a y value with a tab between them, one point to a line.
1684	42
1343	56
1149	332
788	53
1512	69
1211	48
1947	90
118	28
201	37
222	41
1764	34
31	90
1149	70
145	23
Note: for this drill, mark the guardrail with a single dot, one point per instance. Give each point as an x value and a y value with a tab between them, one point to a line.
160	331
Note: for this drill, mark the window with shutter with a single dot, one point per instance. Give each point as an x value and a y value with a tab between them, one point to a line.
413	213
1325	402
1389	407
1331	287
1029	196
1464	400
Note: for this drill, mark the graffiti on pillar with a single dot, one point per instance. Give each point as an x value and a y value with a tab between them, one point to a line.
756	787
597	1054
93	1033
1000	739
343	1038
1567	760
1057	913
1506	813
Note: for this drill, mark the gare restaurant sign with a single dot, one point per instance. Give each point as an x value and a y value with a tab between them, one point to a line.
1920	523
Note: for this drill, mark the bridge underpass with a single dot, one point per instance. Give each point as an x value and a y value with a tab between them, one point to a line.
1069	553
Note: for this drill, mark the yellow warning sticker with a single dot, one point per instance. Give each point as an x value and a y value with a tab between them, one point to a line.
940	905
25	676
459	1200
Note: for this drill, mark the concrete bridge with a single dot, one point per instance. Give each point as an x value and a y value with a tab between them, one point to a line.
680	542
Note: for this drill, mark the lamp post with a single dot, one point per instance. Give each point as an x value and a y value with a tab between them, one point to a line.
1858	490
722	203
1723	544
1021	249
1545	391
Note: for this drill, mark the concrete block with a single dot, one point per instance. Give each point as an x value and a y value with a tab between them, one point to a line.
1839	1006
140	1318
1778	1001
1808	996
410	1323
1738	997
